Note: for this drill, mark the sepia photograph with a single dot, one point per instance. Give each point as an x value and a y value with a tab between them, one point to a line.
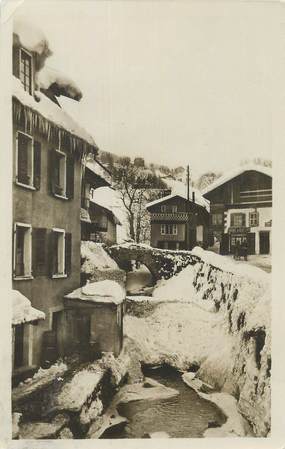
141	234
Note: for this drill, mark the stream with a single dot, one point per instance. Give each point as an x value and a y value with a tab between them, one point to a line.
183	416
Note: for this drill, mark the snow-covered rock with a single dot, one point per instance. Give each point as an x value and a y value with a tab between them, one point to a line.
43	430
95	257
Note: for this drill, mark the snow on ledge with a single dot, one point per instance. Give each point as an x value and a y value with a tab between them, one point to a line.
22	310
63	84
99	292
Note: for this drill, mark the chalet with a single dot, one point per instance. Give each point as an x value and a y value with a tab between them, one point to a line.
48	149
241	209
178	223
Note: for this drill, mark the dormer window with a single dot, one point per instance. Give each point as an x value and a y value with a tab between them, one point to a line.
26	70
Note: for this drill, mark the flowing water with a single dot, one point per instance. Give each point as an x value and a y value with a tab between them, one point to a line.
183	416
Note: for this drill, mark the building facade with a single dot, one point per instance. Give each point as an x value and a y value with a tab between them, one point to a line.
177	223
241	209
48	147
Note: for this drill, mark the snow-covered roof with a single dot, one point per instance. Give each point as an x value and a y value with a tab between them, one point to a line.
99	170
106	291
198	199
61	84
31	38
22	310
50	111
103	196
236	172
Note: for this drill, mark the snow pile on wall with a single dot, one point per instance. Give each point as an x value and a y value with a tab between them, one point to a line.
31	38
101	292
22	310
95	258
63	84
231	346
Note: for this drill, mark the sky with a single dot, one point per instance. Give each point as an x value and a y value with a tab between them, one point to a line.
176	82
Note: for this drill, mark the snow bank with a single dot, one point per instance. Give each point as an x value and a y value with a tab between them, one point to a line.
50	111
222	326
22	310
63	84
95	257
99	292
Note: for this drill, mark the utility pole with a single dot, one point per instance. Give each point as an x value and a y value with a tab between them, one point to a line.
188	210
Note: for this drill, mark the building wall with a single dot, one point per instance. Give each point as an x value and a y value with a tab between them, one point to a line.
156	235
40	209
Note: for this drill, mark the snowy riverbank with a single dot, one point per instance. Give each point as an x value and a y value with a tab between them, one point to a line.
220	325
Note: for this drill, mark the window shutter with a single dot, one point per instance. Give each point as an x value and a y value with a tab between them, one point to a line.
257	218
243	219
51	171
22	174
68	252
69	177
16	61
37	165
232	220
39	252
51	253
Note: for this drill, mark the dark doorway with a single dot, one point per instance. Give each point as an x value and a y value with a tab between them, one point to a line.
264	242
19	346
224	246
251	242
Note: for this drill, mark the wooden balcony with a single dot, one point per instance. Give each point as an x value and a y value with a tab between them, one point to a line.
169	216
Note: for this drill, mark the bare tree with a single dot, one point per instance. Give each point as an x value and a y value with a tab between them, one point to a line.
133	183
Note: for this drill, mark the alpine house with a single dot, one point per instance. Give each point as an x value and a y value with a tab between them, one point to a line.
49	148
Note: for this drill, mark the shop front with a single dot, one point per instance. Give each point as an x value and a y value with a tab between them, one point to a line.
240	236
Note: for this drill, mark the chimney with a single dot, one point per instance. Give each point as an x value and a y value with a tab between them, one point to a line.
193	197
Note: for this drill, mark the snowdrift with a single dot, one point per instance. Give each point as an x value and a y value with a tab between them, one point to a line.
219	325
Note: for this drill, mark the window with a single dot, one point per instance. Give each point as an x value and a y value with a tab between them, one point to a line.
217	219
168	229
163	208
237	220
253	219
22	251
61	253
174	209
58	252
60	173
26	70
28	161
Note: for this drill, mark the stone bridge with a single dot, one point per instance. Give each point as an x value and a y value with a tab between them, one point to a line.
161	263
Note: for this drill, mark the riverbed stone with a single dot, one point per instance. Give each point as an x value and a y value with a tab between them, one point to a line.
65	434
43	430
149	390
90	413
75	393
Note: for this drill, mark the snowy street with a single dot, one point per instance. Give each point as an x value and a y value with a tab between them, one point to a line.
260	261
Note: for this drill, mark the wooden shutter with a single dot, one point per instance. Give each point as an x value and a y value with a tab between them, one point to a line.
51	252
22	170
37	165
16	61
51	171
39	252
68	253
70	177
